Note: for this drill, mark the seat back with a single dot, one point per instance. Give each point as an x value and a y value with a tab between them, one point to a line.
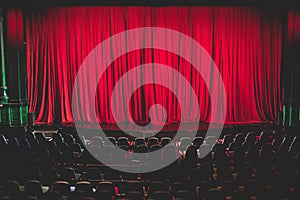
33	188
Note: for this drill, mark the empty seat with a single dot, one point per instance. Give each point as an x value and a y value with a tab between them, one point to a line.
211	140
106	188
62	188
110	141
239	139
134	189
67	174
233	146
227	139
152	141
294	147
266	137
75	147
69	139
139	141
237	142
84	186
285	144
40	137
250	137
33	188
141	149
276	143
57	138
165	141
11	189
123	141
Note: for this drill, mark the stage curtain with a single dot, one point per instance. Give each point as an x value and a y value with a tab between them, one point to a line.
291	73
245	43
293	33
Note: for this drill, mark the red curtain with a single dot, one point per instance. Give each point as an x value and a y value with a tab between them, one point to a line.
292	72
294	33
245	43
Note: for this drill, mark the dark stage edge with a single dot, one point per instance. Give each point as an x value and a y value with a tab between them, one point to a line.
169	130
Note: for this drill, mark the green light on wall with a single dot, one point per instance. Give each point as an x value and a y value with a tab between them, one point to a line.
18	114
290	116
14	114
283	115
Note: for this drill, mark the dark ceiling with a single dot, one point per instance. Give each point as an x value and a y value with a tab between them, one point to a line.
47	3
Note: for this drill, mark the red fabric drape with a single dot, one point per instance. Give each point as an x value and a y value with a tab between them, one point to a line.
294	28
245	43
293	46
292	82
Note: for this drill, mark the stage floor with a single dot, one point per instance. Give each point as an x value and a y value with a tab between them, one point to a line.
168	130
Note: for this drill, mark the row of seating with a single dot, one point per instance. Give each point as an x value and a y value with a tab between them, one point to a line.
242	166
136	189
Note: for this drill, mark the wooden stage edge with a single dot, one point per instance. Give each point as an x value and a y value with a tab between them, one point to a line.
167	130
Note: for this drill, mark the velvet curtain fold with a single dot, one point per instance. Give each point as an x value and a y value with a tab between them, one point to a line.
245	43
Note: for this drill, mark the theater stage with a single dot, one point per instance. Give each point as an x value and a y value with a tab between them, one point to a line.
168	130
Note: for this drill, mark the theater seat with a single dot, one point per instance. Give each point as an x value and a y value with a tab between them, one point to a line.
123	141
164	141
141	149
67	174
211	140
227	139
152	141
84	186
197	141
11	190
69	139
184	143
139	141
106	188
33	188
